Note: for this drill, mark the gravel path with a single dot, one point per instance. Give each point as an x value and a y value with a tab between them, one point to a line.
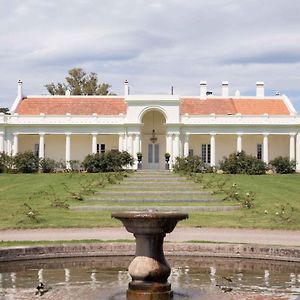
180	234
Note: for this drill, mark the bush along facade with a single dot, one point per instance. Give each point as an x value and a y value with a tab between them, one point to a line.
242	163
110	161
283	165
6	163
191	164
26	162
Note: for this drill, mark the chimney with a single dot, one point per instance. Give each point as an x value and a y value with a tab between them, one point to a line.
260	90
225	89
20	89
126	88
67	93
203	89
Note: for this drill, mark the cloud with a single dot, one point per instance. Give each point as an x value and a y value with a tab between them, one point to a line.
154	44
272	57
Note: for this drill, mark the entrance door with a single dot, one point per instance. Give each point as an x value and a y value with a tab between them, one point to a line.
153	156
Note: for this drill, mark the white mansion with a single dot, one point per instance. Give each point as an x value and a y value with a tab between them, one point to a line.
70	127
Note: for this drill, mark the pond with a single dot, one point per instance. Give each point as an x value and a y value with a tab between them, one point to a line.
191	278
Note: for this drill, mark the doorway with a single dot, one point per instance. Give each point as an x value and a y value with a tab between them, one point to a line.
153	139
153	156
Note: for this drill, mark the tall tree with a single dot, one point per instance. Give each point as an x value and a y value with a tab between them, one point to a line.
4	110
78	82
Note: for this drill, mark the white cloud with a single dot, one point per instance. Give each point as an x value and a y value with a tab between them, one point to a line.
154	44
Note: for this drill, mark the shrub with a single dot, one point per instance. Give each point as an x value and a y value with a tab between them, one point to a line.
5	162
241	163
190	164
47	165
283	165
111	161
26	162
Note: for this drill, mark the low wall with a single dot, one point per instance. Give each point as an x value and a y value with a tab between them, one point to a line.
124	249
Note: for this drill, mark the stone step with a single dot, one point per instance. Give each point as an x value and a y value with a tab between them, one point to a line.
145	171
156	208
149	200
159	183
160	198
154	178
150	187
142	193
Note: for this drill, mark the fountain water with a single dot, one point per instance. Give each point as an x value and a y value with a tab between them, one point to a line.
149	270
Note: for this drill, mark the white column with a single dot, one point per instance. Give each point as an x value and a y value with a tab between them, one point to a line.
186	145
94	143
239	146
1	142
212	149
42	146
136	146
15	144
9	146
129	144
169	147
175	147
266	148
125	143
298	152
121	142
292	146
68	150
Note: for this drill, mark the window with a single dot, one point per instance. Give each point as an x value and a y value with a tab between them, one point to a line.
100	148
205	153
36	150
259	151
191	152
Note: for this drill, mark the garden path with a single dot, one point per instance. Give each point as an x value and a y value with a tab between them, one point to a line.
180	234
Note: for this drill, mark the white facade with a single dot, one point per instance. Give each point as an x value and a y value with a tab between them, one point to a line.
71	137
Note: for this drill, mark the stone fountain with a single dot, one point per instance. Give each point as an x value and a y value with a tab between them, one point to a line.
149	269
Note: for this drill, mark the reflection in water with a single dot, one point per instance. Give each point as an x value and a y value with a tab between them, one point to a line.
107	275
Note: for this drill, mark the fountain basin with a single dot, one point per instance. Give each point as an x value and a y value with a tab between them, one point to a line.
192	278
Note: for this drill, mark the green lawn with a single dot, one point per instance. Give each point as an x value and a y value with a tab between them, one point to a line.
16	189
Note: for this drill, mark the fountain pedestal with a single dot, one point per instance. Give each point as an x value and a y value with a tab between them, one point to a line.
149	269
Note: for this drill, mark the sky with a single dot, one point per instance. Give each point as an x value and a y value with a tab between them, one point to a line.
154	44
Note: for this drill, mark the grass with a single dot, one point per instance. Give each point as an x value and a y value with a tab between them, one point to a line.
271	192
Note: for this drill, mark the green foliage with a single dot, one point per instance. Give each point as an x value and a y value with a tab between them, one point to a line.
189	165
139	156
26	162
241	163
234	193
167	156
55	201
283	165
6	163
74	165
29	214
4	110
110	161
47	165
80	83
285	214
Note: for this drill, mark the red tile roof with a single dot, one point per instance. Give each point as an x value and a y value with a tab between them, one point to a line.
72	105
115	106
194	106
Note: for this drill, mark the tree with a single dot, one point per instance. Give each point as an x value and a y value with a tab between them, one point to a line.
78	82
4	110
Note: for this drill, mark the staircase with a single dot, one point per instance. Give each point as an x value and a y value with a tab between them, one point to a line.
155	190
